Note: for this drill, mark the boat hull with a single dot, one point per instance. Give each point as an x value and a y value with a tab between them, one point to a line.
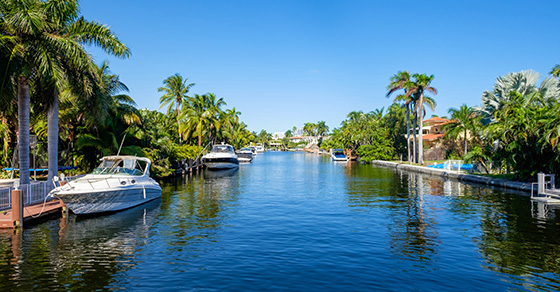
221	163
244	157
82	203
339	157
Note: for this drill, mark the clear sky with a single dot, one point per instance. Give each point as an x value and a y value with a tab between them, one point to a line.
283	63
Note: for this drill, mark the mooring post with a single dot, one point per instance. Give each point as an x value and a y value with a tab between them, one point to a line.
17	208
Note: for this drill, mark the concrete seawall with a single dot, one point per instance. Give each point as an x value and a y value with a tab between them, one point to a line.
497	182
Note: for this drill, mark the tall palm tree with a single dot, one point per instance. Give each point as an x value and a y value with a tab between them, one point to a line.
175	94
421	83
47	39
398	82
213	111
462	121
22	25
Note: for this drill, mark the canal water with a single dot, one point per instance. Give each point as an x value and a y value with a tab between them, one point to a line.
297	222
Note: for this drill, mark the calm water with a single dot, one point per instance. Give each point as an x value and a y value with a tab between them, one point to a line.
297	222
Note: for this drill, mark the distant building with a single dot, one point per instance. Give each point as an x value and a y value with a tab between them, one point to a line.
432	132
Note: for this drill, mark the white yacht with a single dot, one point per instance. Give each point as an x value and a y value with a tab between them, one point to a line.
221	157
338	155
244	154
119	183
254	150
260	147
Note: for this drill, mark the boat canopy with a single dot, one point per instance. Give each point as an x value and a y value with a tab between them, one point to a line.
127	165
222	148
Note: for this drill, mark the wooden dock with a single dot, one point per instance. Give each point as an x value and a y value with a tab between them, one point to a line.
31	212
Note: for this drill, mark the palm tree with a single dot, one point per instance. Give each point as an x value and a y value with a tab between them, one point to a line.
310	129
322	128
416	88
175	94
46	41
213	112
398	82
524	83
555	71
461	122
21	28
202	115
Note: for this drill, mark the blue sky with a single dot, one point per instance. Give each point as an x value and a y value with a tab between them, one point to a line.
283	63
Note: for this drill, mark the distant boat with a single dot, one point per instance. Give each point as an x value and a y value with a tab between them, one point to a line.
221	157
254	150
338	155
260	147
120	182
245	154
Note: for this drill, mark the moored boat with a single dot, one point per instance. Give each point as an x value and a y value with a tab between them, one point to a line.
254	150
221	157
260	147
119	183
338	155
244	155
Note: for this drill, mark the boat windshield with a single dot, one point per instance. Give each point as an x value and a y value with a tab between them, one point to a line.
222	149
120	166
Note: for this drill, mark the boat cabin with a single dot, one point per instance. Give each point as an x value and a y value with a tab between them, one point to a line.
222	149
123	165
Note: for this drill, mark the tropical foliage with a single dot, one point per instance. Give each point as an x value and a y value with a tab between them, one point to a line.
372	135
414	99
51	88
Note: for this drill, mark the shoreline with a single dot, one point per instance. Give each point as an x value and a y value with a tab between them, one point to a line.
472	178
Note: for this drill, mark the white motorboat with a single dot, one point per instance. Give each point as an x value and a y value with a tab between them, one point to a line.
260	147
221	157
338	155
244	155
254	150
119	183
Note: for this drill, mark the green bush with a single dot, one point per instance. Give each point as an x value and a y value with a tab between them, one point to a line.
380	151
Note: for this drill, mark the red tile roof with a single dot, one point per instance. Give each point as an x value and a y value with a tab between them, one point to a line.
436	120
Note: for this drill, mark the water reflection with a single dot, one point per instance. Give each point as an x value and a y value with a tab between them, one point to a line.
298	222
75	253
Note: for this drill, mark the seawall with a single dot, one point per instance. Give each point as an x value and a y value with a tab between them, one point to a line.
497	182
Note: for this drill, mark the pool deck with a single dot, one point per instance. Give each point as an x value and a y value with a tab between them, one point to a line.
496	182
31	212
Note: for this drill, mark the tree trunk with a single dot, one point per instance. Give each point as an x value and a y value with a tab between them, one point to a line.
420	141
23	129
178	123
465	141
52	132
408	132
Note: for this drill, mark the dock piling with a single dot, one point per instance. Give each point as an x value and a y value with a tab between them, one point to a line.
17	208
